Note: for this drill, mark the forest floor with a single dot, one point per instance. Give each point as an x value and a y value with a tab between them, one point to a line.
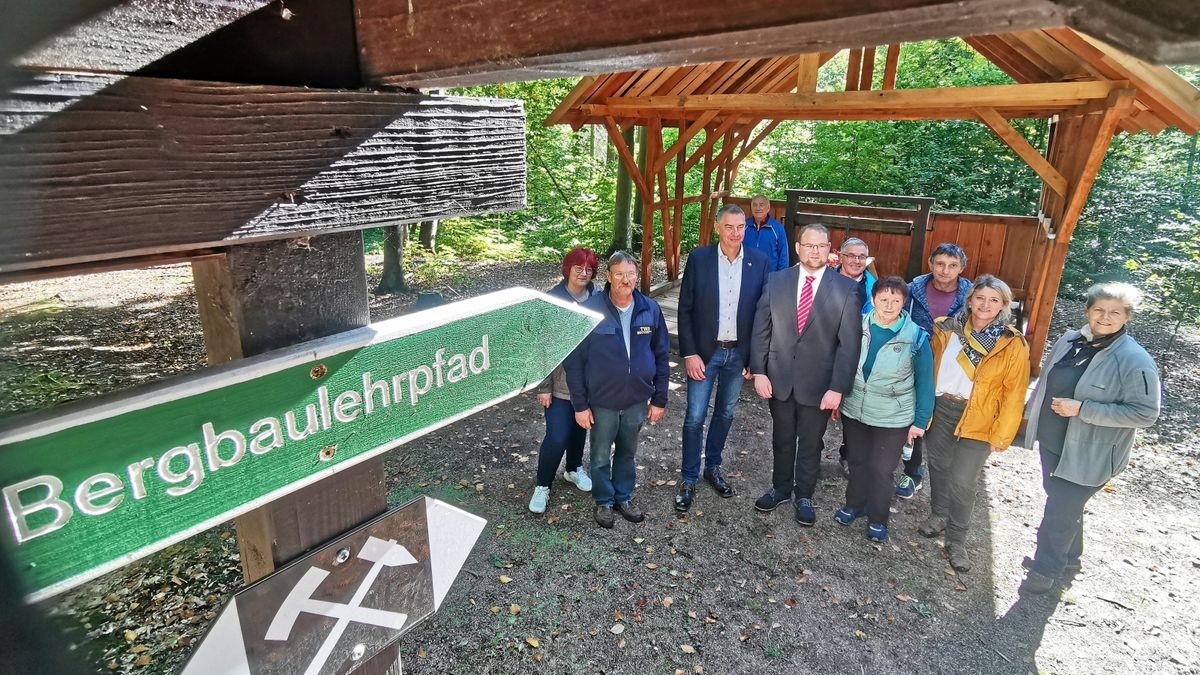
723	590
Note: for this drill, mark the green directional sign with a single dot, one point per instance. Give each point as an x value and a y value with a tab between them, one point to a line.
87	489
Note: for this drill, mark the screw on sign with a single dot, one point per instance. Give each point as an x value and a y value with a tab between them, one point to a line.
333	609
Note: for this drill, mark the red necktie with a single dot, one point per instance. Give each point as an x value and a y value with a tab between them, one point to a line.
805	305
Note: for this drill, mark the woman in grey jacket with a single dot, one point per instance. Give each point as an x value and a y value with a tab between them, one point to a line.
1101	386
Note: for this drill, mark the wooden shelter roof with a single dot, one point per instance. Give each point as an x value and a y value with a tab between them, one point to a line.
1056	70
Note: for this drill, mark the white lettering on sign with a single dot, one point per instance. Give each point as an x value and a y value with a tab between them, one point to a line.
181	469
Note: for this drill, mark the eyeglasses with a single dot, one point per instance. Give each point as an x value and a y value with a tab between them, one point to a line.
814	247
623	276
850	256
580	269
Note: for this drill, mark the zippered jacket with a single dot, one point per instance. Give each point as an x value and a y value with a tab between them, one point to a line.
599	372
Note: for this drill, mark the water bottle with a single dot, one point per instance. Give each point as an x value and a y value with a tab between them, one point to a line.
906	452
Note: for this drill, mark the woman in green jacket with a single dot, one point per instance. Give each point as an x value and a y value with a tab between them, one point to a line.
1100	388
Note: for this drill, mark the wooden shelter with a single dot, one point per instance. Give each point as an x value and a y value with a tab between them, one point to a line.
1087	89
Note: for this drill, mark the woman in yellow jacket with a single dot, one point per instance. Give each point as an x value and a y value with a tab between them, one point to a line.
981	371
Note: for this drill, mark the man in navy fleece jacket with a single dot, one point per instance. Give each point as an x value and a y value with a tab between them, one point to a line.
618	377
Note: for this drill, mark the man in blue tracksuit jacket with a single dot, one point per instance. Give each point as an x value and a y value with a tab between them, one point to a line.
618	368
767	234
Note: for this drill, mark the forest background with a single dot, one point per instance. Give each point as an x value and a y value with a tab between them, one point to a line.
1141	222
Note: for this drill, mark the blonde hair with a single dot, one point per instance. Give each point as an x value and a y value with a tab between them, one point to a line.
996	284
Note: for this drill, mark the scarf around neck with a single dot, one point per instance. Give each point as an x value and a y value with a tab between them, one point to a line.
975	344
1084	347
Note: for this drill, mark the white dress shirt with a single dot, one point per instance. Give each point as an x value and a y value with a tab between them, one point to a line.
729	282
815	284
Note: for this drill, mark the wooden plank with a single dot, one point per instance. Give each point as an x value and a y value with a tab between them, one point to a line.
1020	145
686	135
853	68
890	65
1015	263
807	66
585	86
969	238
991	251
94	167
421	45
868	69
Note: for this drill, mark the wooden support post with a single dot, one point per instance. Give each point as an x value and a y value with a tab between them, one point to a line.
706	209
868	69
854	69
676	243
889	67
807	66
680	145
1013	139
652	150
260	297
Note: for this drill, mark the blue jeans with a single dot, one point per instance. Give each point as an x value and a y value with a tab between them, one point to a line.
614	446
725	370
563	435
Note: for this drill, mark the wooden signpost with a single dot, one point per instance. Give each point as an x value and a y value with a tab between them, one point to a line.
335	608
93	488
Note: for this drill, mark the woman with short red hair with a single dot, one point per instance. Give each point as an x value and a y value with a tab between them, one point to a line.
563	435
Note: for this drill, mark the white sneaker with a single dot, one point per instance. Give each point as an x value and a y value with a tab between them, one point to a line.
579	479
541	495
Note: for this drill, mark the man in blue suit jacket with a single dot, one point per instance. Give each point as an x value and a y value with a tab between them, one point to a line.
717	301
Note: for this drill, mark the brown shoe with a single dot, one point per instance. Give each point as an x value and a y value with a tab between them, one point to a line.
604	516
629	512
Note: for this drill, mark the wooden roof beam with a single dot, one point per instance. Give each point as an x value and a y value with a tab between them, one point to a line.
1013	139
680	143
890	64
807	66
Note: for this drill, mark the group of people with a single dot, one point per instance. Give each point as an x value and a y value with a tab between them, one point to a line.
931	372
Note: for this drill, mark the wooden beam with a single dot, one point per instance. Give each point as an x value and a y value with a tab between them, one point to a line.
868	69
581	89
1051	94
891	63
686	135
94	167
710	138
753	143
1013	139
422	44
626	157
807	66
853	68
1120	104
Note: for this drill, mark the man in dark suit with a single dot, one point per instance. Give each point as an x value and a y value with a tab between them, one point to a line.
717	299
804	355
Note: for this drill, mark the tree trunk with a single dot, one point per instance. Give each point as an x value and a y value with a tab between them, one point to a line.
392	281
638	206
621	238
428	235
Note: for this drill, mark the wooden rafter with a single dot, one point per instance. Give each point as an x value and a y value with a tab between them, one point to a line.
684	136
853	69
1013	139
868	69
890	64
626	157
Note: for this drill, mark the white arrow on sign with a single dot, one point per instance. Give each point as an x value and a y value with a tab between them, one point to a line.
451	534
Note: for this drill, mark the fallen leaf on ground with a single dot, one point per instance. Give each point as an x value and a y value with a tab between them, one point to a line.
860	635
621	643
651	566
743	637
617	628
790	602
903	598
514	609
537	657
667	602
504	579
532	642
687	649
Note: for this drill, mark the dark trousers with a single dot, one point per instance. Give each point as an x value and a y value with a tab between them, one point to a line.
563	436
954	466
913	463
614	448
872	453
797	438
1060	536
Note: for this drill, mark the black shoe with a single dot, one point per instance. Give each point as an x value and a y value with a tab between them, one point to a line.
715	479
1071	570
806	514
684	497
629	512
771	499
604	516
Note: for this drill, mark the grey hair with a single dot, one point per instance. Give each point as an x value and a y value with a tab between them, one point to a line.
1129	295
757	197
816	227
621	257
853	241
994	283
728	209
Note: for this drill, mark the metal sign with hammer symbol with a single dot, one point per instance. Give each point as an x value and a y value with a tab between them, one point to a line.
332	610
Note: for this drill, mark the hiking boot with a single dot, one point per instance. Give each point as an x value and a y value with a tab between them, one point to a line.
629	512
604	516
1071	570
771	499
806	515
684	497
1035	584
847	515
959	560
541	495
877	533
579	479
715	479
932	527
